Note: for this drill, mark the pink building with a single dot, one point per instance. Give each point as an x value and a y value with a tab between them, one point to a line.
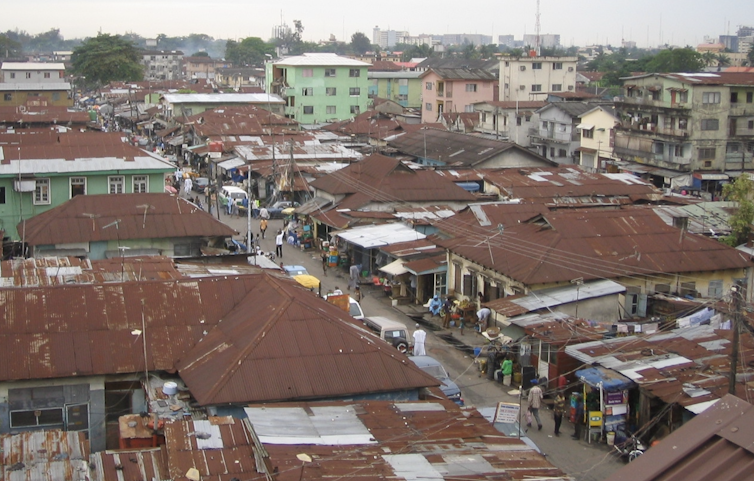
447	90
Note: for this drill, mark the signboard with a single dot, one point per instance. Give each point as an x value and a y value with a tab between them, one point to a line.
506	412
615	397
340	301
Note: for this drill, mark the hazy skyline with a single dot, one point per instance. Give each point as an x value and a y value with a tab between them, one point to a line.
648	23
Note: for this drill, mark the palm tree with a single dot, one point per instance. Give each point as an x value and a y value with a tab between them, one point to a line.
722	60
708	58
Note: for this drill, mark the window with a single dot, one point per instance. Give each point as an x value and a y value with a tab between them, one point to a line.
557	65
140	184
678	150
8	97
115	184
402	97
331	91
47	75
471	87
707	153
307	72
688	289
56	96
751	124
711	97
683	124
683	97
330	109
12	75
749	97
557	87
536	66
355	109
710	124
42	192
587	133
734	97
354	91
545	124
28	74
552	152
468	109
77	186
636	302
307	91
668	122
656	95
659	148
428	106
37	417
428	86
536	88
562	153
2	195
354	72
308	109
470	285
518	120
329	72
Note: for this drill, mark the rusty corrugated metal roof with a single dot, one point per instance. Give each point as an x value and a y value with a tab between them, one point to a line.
129	465
45	456
42	115
113	217
297	347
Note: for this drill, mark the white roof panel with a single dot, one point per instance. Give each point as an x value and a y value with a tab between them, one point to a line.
320	59
326	425
63	166
32	66
222	98
380	235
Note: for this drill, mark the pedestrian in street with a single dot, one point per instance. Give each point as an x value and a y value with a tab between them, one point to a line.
263	214
279	244
419	337
337	291
187	185
234	211
353	277
435	305
255	208
447	311
263	227
535	402
357	294
558	408
578	421
483	315
325	261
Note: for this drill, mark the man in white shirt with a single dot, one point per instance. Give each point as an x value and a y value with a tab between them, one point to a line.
419	337
279	244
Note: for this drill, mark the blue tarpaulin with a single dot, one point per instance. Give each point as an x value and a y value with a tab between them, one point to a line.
611	380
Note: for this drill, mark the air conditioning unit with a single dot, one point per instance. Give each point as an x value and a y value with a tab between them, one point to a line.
570	69
25	185
523	87
522	68
570	87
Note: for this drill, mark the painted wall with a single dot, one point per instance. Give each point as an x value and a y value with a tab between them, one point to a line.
35	98
518	76
452	95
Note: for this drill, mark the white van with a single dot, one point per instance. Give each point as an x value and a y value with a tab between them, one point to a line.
232	192
390	331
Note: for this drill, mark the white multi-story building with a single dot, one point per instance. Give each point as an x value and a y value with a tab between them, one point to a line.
388	38
32	72
532	78
546	40
162	65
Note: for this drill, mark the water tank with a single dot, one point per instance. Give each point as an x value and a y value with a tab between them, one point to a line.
169	388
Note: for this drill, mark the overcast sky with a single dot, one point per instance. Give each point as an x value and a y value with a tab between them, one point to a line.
647	22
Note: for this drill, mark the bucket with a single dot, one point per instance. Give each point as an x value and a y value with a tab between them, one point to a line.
169	388
610	438
477	351
517	378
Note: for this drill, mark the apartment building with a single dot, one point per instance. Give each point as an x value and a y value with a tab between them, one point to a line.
319	87
532	78
161	64
455	90
699	123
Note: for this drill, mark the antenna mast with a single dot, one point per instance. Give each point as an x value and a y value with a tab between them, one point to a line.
537	28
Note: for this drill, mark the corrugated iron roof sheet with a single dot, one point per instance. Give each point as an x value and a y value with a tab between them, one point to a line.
127	465
45	456
111	217
298	347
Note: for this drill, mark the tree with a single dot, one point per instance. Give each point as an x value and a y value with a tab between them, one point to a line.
290	42
249	51
750	57
360	43
106	58
740	221
488	51
470	52
676	60
200	54
9	48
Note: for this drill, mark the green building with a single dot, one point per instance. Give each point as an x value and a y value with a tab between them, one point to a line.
38	176
319	87
403	87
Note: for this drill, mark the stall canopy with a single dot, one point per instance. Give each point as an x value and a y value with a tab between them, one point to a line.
231	163
395	268
611	380
372	236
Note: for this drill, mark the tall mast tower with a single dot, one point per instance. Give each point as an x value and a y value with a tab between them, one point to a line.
537	28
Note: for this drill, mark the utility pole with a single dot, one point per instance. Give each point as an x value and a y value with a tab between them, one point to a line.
735	325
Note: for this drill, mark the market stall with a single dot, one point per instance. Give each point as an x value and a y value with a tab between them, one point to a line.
607	403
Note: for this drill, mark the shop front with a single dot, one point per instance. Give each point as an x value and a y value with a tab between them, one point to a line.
609	405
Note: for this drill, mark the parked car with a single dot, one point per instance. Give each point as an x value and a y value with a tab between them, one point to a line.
354	308
432	366
295	270
390	331
200	183
276	210
512	430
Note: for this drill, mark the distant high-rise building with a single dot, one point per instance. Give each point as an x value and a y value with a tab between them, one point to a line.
545	40
730	42
506	40
388	38
280	31
464	39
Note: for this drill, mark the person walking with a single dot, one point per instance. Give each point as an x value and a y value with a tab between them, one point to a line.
447	311
325	261
264	214
279	244
419	337
535	402
578	421
558	408
187	185
255	209
263	227
353	277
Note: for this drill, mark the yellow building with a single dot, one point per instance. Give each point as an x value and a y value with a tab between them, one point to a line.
36	94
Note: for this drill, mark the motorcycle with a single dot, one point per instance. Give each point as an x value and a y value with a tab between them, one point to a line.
631	449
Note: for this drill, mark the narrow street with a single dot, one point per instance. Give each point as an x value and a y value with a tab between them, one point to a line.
583	461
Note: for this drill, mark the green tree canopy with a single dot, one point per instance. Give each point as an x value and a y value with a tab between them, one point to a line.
249	51
740	221
106	58
360	43
676	60
9	48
